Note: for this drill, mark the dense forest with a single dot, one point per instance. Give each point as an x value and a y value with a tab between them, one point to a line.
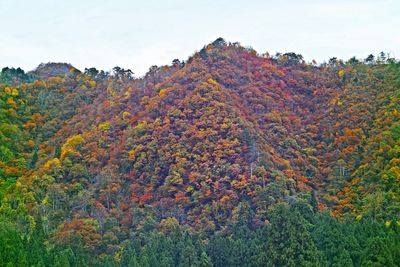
229	158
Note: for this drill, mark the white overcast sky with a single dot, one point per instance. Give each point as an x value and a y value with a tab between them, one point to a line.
137	34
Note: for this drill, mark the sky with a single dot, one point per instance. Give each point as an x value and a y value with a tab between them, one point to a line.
138	34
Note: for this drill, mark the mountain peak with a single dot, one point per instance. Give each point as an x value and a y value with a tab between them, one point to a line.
50	69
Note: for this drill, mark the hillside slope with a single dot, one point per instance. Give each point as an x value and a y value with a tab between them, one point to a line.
198	140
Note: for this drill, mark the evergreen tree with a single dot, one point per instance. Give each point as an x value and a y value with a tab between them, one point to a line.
289	242
377	253
34	159
330	240
313	200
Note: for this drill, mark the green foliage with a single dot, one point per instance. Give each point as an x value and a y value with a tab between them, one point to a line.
289	242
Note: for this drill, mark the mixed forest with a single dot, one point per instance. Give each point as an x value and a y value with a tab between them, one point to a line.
229	158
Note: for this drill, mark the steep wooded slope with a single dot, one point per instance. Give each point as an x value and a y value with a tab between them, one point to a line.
198	139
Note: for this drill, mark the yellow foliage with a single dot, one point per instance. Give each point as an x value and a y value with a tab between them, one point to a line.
224	199
53	162
75	140
126	115
355	181
163	92
131	155
69	146
339	103
31	143
224	126
110	89
18	184
11	91
341	73
45	200
118	256
189	189
128	93
395	161
141	125
14	92
212	81
92	83
105	126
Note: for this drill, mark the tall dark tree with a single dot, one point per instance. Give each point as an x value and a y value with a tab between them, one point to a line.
289	242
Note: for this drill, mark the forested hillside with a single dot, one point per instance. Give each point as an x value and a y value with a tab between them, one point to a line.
229	158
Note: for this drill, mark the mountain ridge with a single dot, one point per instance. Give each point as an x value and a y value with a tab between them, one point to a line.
195	142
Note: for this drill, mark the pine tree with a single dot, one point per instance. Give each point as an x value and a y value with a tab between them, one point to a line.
313	200
289	242
34	159
378	253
